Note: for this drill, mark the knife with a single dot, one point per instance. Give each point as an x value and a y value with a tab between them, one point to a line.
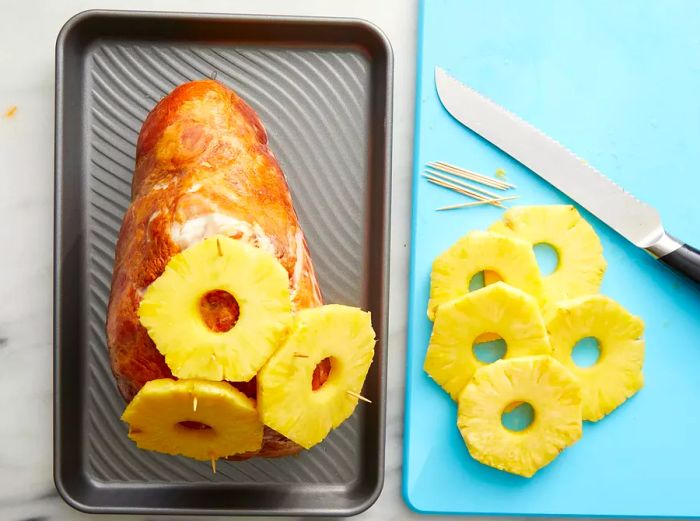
635	220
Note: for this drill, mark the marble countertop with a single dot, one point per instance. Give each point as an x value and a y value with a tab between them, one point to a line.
28	30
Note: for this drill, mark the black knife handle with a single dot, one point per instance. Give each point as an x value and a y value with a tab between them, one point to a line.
685	260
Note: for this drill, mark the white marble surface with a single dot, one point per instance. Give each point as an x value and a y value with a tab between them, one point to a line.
28	30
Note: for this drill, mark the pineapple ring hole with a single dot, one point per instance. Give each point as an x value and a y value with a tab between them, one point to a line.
586	352
517	416
547	258
194	425
489	347
219	310
483	278
321	373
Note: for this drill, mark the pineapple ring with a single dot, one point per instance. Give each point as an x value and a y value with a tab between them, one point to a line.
581	264
511	259
199	419
550	389
286	399
617	374
170	310
509	312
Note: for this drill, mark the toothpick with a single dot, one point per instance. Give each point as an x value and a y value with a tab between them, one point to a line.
213	464
358	396
299	355
463	184
194	404
454	187
469	174
218	247
476	203
458	189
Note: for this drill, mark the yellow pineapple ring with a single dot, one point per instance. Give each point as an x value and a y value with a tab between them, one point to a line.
552	392
617	374
511	259
581	264
199	419
508	312
286	399
171	310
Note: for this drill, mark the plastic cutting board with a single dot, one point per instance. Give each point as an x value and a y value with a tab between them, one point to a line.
618	83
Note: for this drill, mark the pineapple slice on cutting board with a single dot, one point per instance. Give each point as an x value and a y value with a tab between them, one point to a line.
617	374
293	398
537	368
552	392
176	309
195	418
512	260
581	265
498	309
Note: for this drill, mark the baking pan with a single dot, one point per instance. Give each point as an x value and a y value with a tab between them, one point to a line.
323	90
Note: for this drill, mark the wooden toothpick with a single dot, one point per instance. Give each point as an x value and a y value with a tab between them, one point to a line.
473	176
358	396
476	203
218	247
213	464
470	193
463	184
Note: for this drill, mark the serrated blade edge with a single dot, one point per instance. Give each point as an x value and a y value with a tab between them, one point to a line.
635	220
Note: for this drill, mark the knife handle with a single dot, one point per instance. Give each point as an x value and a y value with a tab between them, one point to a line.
685	260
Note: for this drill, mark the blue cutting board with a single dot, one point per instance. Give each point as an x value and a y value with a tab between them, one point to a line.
618	83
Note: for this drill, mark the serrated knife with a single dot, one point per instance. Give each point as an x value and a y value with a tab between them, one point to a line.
635	220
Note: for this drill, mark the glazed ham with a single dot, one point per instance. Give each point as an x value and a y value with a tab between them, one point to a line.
203	167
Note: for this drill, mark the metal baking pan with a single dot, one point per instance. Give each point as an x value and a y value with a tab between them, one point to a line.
323	90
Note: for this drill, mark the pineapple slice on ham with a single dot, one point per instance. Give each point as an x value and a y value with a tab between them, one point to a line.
178	310
293	398
195	418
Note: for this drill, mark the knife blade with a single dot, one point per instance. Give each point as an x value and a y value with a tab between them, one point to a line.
635	220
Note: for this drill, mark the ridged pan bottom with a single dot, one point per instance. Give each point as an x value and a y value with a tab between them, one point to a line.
315	106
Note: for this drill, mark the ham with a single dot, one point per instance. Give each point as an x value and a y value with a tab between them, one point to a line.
203	167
